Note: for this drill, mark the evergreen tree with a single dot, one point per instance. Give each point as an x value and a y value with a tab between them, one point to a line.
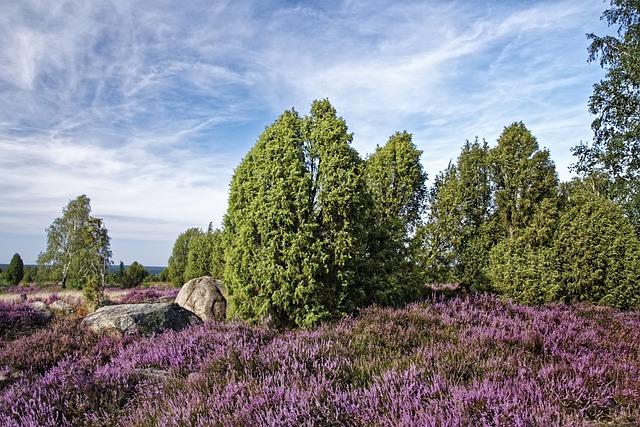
15	270
179	256
523	176
598	253
396	184
294	238
134	275
205	256
458	235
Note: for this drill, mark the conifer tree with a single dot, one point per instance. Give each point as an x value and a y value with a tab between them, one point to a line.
396	184
523	176
15	270
293	231
179	256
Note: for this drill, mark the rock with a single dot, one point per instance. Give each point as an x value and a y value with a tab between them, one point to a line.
166	299
203	296
42	308
152	373
144	319
61	307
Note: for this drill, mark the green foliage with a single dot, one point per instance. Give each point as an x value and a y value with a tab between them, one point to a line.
93	293
396	185
78	245
134	275
179	256
598	253
205	256
588	253
455	241
615	102
524	266
30	274
15	270
294	234
523	176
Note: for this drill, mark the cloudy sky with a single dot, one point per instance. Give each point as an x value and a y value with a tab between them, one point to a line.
147	107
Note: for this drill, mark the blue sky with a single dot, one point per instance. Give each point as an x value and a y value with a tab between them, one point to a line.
147	107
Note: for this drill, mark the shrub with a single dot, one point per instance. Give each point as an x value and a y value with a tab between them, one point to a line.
295	229
134	275
15	270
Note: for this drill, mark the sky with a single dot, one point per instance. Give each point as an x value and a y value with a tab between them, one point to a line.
147	107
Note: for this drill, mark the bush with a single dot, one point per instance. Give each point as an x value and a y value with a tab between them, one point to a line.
588	253
134	275
15	270
598	254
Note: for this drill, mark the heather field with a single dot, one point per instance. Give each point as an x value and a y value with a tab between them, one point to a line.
463	361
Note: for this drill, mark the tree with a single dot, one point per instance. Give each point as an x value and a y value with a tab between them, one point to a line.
396	184
615	102
78	245
294	235
598	252
205	256
15	270
134	275
179	256
524	267
459	232
589	252
523	176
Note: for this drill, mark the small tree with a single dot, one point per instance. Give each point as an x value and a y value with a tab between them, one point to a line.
93	293
206	255
396	184
15	270
523	176
134	275
179	256
460	231
78	245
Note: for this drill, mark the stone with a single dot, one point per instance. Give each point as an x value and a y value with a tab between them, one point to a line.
61	307
203	296
143	319
42	308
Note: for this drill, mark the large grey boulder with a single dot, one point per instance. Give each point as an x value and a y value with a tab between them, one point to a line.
205	297
144	319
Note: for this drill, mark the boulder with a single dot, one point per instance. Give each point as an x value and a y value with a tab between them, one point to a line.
144	319
204	296
42	308
61	307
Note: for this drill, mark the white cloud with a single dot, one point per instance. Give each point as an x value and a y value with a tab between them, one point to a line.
148	108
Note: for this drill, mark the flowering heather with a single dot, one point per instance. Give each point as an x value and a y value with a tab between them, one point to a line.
465	361
141	295
18	319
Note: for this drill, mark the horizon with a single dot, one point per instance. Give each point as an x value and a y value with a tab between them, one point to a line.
148	112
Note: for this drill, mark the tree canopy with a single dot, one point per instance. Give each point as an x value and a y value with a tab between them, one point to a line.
615	102
78	245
